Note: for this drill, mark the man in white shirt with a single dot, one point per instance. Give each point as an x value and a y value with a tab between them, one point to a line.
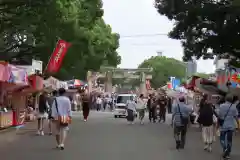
61	107
99	103
131	110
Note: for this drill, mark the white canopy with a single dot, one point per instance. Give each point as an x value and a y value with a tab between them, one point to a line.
52	83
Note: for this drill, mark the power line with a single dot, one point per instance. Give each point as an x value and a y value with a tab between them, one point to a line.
144	35
142	44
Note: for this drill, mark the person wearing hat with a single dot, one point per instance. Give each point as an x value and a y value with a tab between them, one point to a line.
180	120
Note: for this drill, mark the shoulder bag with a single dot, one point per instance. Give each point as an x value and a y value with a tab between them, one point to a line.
63	120
220	120
184	120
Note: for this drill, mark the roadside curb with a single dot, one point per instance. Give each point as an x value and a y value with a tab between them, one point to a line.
15	128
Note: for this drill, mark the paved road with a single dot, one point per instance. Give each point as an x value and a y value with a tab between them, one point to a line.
106	138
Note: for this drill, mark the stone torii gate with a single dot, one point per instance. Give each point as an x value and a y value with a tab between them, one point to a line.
110	72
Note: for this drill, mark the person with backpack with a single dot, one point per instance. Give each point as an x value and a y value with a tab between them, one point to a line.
227	119
180	120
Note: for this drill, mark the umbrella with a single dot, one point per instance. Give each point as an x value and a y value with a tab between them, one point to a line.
77	83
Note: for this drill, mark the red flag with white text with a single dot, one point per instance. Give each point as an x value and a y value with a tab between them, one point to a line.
57	56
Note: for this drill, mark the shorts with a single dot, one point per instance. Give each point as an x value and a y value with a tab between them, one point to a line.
50	117
42	116
58	129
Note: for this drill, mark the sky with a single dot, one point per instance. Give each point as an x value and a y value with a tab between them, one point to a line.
139	17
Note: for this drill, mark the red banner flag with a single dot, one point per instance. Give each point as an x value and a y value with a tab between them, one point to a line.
57	56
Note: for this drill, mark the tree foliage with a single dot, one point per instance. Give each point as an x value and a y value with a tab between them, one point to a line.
43	22
202	75
205	27
163	69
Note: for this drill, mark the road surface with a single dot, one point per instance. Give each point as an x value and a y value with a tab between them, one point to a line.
106	138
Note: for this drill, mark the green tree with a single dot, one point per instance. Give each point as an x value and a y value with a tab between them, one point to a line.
43	22
163	69
205	27
202	75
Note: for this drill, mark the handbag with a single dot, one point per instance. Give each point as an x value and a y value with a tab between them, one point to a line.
184	120
63	120
220	120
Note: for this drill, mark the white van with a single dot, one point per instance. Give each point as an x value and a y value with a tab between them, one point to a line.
121	102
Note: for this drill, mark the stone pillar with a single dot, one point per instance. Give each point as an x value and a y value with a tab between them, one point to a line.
89	81
108	82
143	89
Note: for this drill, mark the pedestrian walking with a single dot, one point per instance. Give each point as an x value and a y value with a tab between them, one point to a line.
151	108
206	119
99	103
86	106
141	106
227	120
162	107
42	112
180	121
61	112
50	102
169	104
131	110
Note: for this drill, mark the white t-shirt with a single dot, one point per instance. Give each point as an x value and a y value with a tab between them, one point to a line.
141	104
99	100
131	105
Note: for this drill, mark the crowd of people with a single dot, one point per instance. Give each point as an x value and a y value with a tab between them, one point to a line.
56	107
156	105
219	118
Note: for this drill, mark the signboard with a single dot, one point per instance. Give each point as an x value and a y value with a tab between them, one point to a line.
32	69
224	76
175	83
37	65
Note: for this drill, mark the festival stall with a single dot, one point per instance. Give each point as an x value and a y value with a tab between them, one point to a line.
50	84
32	92
12	81
76	84
63	84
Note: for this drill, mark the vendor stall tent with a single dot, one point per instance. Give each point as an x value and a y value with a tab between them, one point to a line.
13	80
51	84
15	86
